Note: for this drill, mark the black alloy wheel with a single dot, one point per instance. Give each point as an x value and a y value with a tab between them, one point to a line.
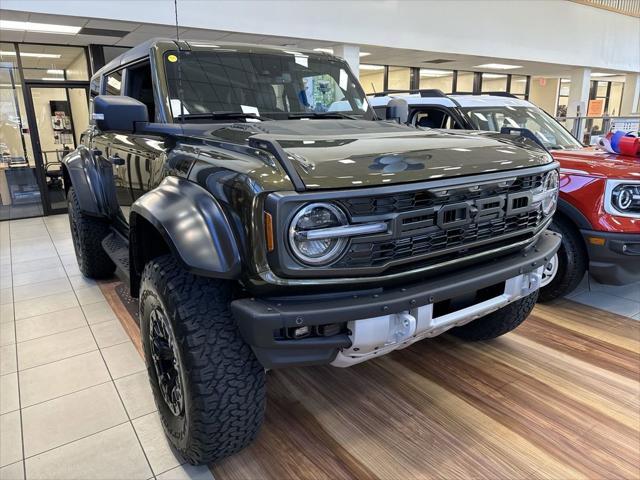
166	362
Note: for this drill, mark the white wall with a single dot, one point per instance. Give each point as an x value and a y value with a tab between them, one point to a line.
553	31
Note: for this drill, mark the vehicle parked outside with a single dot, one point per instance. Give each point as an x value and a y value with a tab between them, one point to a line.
265	218
599	208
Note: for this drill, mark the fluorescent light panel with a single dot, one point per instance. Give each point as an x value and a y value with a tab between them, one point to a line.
39	27
498	66
426	72
364	66
57	79
494	75
602	74
55	72
30	54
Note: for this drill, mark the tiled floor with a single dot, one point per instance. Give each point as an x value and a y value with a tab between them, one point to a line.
624	300
74	397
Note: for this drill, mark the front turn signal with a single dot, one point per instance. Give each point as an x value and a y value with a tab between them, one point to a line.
268	231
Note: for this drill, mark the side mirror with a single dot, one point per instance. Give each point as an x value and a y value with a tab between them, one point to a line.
113	113
398	110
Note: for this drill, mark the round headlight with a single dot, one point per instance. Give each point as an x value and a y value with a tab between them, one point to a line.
623	196
311	249
550	186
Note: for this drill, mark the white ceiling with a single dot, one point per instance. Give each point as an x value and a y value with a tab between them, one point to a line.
139	32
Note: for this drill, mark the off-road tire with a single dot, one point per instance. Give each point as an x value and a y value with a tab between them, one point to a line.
572	263
223	382
87	233
499	322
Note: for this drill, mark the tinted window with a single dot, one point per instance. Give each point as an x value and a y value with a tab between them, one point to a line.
113	83
140	86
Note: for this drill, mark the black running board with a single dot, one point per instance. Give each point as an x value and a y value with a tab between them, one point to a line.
117	248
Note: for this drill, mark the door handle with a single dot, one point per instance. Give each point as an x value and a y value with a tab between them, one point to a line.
116	160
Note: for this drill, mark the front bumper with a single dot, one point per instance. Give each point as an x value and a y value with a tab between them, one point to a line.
259	318
614	258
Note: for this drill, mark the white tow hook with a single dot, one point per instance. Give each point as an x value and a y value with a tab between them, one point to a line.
402	326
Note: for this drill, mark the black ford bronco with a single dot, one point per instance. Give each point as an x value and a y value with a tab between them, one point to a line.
264	217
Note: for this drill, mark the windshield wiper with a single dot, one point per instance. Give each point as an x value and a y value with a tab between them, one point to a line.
322	115
221	115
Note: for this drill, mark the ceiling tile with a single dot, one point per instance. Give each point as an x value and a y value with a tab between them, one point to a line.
14	16
57	19
112	25
11	36
201	34
134	39
96	39
158	30
47	38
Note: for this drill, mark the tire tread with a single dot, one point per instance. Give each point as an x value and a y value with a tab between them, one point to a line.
225	380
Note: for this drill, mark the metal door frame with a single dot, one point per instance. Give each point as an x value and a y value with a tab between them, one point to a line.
35	135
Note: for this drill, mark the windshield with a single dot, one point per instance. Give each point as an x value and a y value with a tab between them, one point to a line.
262	86
543	126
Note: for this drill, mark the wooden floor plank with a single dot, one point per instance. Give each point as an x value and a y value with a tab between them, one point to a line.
559	398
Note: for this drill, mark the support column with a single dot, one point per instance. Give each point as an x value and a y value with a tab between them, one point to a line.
578	98
630	94
351	53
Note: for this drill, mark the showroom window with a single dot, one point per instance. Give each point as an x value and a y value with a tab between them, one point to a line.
615	98
372	78
464	82
53	62
519	86
436	79
493	82
399	78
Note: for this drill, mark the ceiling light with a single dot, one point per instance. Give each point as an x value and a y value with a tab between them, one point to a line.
330	50
565	80
55	72
425	72
39	27
29	54
498	66
364	66
53	78
602	74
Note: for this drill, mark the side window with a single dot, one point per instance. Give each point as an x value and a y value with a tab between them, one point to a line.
140	86
451	124
431	118
113	83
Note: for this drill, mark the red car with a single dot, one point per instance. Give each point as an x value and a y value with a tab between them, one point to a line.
599	209
599	218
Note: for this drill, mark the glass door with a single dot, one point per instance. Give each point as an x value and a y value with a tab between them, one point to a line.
58	115
19	189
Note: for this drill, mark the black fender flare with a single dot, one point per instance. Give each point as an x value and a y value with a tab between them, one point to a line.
194	226
92	180
574	215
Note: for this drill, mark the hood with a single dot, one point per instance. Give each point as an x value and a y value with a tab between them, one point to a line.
357	153
593	162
